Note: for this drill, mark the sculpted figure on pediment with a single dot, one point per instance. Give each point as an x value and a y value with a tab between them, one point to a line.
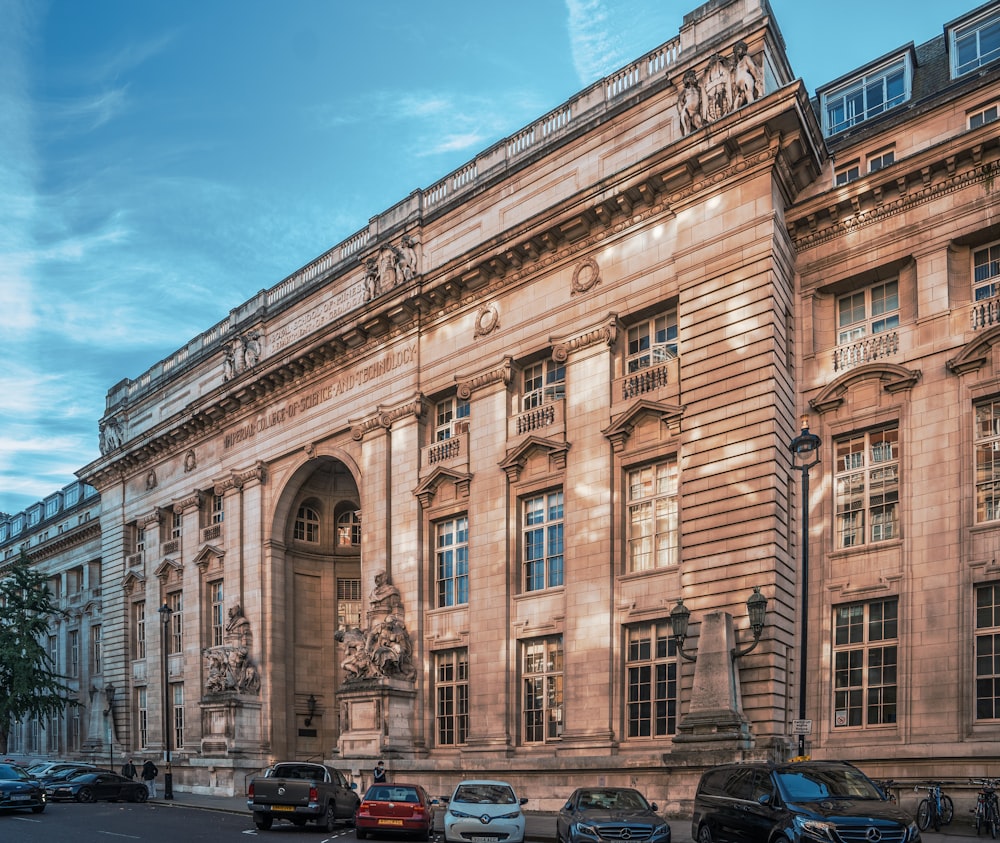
747	84
407	253
689	104
728	83
112	435
718	88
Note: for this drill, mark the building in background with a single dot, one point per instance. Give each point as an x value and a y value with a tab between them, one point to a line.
441	495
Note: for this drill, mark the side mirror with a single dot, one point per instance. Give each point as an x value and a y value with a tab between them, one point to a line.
523	800
354	785
764	799
654	806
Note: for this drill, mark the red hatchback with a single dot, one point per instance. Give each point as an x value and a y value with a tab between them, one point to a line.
395	808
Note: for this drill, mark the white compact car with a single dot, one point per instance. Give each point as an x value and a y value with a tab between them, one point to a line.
483	811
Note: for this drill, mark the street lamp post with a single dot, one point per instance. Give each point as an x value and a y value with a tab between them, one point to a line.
109	712
805	454
168	776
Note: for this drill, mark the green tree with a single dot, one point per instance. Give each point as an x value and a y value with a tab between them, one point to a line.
29	685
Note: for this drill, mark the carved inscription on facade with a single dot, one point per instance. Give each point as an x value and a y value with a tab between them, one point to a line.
302	403
327	311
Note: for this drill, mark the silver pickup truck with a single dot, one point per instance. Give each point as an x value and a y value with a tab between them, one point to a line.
301	792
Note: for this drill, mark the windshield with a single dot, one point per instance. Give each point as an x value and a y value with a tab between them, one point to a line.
9	772
612	800
485	794
813	785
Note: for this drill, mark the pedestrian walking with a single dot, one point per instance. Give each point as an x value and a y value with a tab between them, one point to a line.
378	777
149	774
128	770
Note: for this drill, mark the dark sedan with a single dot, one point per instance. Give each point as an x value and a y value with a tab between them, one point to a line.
610	813
99	785
19	791
397	808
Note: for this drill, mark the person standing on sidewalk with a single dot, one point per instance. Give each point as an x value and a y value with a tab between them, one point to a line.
149	774
128	770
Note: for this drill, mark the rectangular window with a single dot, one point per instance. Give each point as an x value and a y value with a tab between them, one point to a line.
306	527
451	417
988	652
867	487
847	174
873	310
542	695
348	603
139	627
542	541
53	732
652	528
985	271
881	159
975	44
218	509
216	614
176	525
54	654
652	342
987	436
983	116
451	554
95	641
175	640
177	713
451	687
142	720
74	729
542	383
651	681
865	660
866	96
74	652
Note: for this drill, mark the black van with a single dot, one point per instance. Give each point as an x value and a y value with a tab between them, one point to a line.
793	802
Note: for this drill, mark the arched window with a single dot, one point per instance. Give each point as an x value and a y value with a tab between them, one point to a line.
306	524
349	528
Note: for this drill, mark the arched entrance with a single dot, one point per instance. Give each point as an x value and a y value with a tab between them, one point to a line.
316	556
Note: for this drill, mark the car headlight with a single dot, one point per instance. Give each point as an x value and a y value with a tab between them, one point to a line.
587	828
912	832
817	829
661	830
461	814
511	816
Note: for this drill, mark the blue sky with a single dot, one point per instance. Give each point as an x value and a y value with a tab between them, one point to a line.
161	162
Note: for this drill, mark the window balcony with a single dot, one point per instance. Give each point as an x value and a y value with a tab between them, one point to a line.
134	560
213	532
866	350
547	419
171	546
986	313
655	382
448	453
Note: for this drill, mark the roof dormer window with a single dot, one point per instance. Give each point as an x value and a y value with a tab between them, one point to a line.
975	43
866	95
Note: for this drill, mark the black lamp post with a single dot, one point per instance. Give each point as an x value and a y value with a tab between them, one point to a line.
680	615
805	454
109	712
168	777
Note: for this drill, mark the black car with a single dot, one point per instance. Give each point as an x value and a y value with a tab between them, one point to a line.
610	813
98	785
64	772
19	791
793	802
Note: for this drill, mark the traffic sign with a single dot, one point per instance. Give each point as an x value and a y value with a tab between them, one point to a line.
802	727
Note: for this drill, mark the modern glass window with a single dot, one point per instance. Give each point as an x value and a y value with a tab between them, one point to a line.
216	613
988	651
349	529
985	271
865	663
867	487
451	690
542	540
987	436
866	96
653	528
865	313
175	639
306	528
542	694
177	713
975	44
542	383
139	629
651	681
451	556
348	603
451	417
652	342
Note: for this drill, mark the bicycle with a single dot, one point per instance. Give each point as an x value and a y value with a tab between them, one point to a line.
888	788
936	809
987	811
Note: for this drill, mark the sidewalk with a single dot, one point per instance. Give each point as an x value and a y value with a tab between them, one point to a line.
540	826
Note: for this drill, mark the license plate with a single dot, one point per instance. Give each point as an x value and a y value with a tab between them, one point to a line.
485	839
390	822
282	807
20	797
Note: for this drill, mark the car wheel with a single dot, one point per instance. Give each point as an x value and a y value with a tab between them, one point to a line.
141	794
329	821
85	794
360	833
705	835
263	821
37	809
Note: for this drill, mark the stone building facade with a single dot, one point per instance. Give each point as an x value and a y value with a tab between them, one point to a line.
439	496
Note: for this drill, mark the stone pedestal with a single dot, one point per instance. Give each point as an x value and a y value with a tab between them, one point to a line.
230	725
376	719
715	718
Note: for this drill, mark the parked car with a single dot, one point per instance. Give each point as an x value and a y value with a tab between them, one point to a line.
95	786
64	771
610	813
484	811
793	802
395	808
301	792
18	790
